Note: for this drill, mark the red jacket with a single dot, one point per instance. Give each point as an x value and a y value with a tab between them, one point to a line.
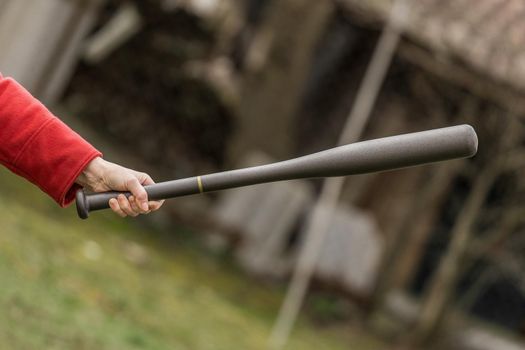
38	146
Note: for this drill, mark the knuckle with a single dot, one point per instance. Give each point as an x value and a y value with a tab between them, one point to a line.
131	181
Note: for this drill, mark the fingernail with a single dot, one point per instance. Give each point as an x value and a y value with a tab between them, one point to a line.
145	206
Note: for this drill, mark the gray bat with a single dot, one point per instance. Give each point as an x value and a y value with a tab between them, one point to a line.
382	154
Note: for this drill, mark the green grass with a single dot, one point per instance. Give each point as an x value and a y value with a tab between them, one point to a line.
108	283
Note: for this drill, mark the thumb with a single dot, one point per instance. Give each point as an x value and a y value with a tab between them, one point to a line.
133	185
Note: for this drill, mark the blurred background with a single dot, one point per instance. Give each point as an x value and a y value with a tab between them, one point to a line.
430	257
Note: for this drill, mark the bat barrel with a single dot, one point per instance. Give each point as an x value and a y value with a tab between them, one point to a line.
358	158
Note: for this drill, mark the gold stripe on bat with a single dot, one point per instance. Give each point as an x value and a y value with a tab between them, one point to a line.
199	182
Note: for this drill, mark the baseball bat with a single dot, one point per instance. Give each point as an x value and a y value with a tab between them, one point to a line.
376	155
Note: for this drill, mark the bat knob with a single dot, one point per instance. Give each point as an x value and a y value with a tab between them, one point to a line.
82	204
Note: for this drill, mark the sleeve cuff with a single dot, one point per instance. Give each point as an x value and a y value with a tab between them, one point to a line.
70	189
54	158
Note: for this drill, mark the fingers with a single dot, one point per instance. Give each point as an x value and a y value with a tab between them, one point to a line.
141	196
123	206
146	179
113	204
136	207
155	205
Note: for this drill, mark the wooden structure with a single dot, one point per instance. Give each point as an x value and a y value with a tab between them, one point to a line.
475	44
467	62
41	40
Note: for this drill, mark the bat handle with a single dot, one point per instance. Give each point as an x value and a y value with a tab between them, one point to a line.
87	203
82	204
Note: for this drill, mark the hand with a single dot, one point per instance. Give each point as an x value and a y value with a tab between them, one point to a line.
101	176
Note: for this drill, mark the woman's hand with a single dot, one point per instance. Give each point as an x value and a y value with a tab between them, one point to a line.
101	176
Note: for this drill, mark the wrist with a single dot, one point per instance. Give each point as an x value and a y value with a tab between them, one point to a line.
93	173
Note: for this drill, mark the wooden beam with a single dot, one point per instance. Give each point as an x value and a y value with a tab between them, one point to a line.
504	96
437	60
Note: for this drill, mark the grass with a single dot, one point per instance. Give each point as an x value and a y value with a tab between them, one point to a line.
108	283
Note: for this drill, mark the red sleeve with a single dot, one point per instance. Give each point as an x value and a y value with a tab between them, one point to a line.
38	146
